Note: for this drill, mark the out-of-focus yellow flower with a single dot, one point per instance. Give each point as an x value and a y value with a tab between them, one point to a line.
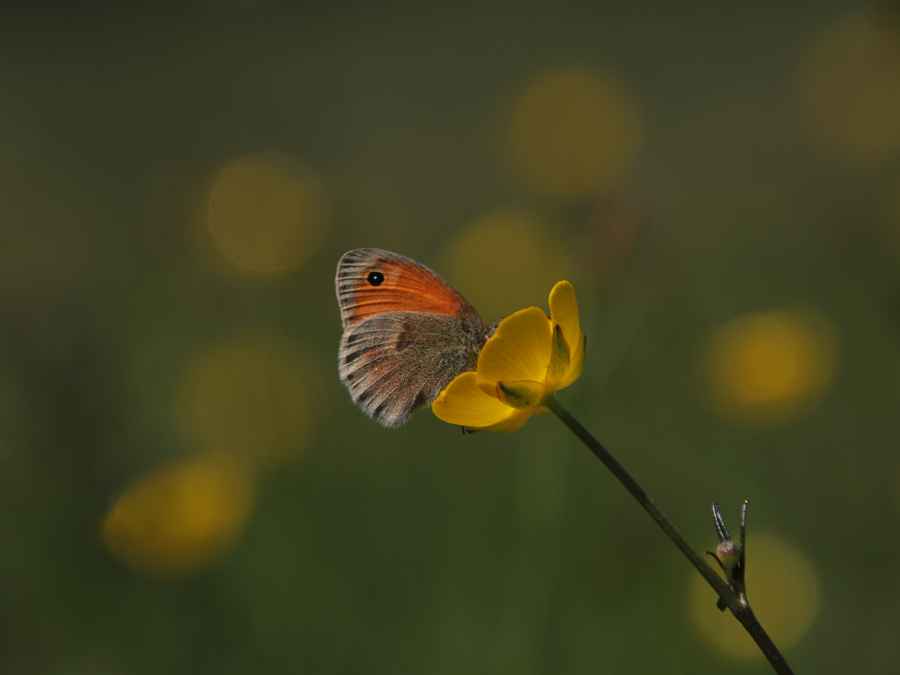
528	358
848	88
765	367
250	394
494	285
181	517
575	132
267	213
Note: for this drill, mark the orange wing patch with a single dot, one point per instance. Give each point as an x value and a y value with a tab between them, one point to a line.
371	282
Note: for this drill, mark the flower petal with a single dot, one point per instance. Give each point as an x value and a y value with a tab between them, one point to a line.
519	350
511	423
559	360
528	358
463	403
576	363
564	311
521	394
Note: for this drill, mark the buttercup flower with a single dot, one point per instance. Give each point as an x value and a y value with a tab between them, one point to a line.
526	361
519	370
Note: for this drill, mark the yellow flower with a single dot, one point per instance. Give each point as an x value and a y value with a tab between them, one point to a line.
528	358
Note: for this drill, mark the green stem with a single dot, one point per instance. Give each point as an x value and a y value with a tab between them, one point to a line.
741	610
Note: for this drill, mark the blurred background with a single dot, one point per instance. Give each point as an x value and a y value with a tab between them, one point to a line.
186	487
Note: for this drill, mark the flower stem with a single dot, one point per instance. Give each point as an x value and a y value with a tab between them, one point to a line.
740	609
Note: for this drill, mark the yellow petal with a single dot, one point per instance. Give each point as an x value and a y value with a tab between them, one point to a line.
521	394
510	423
519	350
463	403
576	363
564	311
559	360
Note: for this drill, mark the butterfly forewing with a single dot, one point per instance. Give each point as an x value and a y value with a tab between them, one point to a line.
403	286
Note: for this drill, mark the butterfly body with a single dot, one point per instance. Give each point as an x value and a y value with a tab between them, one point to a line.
407	333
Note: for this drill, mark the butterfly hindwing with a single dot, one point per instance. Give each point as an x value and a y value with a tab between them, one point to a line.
396	363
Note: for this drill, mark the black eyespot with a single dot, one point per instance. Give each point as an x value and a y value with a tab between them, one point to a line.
375	278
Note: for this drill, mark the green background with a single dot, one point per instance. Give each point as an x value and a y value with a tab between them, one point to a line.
420	550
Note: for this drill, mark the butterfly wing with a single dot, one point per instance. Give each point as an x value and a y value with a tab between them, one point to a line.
403	286
407	333
395	363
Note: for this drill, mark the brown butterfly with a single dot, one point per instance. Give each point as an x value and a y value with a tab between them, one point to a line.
407	333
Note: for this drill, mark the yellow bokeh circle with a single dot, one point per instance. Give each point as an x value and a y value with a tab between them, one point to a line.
267	213
849	87
783	590
251	395
575	132
766	366
504	261
181	517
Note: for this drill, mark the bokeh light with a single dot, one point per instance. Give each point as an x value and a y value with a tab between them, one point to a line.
250	395
764	367
182	517
505	261
267	213
849	87
782	587
575	132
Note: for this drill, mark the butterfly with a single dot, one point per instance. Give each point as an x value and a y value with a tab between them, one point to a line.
407	333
